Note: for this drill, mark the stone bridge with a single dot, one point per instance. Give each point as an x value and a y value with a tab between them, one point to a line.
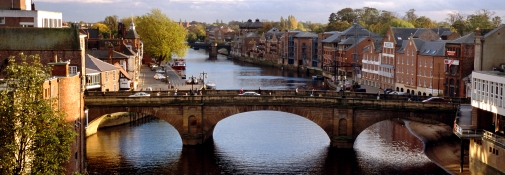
211	47
195	117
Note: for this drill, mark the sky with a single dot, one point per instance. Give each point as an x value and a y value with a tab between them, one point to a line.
315	11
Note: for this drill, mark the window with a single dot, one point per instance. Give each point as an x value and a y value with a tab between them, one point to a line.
427	51
114	77
106	76
2	20
73	69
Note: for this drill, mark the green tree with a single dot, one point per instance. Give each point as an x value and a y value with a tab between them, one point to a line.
338	26
34	137
163	38
112	22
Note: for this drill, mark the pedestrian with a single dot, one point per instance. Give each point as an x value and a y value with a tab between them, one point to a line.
409	96
241	91
296	91
378	95
259	90
385	94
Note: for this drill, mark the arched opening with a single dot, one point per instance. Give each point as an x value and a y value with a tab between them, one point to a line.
270	140
342	127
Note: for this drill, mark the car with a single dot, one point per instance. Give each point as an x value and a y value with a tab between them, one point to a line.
157	75
249	94
434	100
160	70
149	89
154	66
140	94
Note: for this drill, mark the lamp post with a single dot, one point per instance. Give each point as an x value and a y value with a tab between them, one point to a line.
203	75
192	82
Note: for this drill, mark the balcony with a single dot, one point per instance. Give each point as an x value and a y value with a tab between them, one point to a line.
467	133
496	139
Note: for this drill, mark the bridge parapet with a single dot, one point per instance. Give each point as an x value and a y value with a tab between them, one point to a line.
334	102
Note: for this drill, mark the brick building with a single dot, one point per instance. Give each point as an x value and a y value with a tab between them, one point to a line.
101	76
22	13
63	49
458	64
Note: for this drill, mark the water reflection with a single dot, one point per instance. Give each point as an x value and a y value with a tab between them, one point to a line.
229	74
260	142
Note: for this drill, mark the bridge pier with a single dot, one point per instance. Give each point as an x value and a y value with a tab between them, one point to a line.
213	50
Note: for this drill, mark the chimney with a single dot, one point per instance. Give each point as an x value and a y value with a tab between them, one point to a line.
59	69
477	65
111	48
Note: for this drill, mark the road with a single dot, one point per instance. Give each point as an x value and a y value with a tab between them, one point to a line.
147	80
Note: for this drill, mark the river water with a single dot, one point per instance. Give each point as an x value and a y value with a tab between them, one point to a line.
259	142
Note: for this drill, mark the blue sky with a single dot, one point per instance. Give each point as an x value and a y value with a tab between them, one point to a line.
209	11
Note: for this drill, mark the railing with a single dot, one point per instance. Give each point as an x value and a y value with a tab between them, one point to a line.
498	140
468	132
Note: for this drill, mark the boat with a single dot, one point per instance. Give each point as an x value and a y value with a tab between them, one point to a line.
178	64
210	85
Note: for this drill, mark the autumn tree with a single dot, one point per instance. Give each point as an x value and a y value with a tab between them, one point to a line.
163	38
34	137
104	30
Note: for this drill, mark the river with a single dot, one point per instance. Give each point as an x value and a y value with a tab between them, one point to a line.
260	142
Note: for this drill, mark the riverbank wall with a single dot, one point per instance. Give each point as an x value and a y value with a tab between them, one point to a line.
111	120
440	145
278	64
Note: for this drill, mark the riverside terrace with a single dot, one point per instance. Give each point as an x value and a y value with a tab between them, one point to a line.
195	117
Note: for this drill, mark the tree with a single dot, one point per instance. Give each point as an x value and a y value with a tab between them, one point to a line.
104	30
333	18
338	26
410	16
347	14
163	38
111	22
34	137
496	21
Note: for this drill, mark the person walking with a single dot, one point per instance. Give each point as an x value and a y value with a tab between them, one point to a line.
296	91
259	90
241	91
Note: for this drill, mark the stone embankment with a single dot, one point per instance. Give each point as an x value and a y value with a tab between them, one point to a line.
440	145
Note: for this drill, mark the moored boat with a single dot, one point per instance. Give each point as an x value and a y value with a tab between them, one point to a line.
210	85
178	64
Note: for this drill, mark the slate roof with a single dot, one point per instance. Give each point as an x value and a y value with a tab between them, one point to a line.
251	35
131	34
32	38
306	35
402	48
467	39
335	38
433	48
442	31
400	34
358	30
250	24
102	54
273	29
97	64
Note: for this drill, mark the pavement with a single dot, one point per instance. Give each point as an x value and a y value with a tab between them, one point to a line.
174	80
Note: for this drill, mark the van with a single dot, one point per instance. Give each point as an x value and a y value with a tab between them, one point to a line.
361	90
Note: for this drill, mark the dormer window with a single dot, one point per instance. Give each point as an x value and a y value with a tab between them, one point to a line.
427	51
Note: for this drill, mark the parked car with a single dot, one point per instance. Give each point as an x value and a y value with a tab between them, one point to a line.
434	100
159	70
154	66
140	94
397	93
388	90
157	76
249	94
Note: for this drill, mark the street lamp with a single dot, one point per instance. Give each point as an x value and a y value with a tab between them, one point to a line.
192	81
203	75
